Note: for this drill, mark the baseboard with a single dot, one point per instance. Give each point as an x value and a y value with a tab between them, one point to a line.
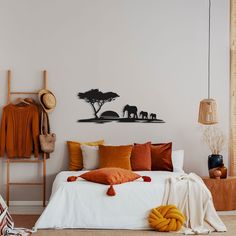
227	213
27	203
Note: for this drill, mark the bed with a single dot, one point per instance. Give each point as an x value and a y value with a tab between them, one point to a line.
83	204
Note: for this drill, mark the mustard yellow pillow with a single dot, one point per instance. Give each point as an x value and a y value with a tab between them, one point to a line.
115	156
75	153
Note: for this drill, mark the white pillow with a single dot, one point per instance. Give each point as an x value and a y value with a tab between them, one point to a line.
178	160
90	157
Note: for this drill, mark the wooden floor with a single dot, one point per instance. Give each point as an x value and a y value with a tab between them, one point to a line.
28	221
25	221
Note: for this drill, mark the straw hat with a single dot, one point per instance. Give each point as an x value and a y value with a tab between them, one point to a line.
47	100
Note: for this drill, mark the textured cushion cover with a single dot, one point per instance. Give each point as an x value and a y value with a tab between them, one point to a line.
178	160
141	157
90	157
161	156
75	153
166	218
110	176
115	156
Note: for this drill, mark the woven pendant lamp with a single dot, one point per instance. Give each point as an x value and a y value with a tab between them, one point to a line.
208	107
208	112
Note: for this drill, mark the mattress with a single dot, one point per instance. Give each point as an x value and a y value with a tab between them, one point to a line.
84	204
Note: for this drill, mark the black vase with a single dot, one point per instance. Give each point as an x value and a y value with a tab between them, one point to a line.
215	160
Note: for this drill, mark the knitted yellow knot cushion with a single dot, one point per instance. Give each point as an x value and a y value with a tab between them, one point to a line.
166	218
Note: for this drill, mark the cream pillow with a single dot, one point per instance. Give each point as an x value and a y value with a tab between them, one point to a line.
90	157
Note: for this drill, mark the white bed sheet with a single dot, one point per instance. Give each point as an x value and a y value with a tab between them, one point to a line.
84	204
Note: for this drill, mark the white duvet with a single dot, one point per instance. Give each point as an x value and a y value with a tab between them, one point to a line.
84	204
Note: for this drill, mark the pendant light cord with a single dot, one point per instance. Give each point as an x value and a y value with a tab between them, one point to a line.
209	49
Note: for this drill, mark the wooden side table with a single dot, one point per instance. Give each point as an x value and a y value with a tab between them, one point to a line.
223	192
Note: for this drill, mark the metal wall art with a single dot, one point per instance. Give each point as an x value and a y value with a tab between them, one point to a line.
130	113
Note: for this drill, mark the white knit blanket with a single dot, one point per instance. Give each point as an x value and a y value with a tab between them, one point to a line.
189	193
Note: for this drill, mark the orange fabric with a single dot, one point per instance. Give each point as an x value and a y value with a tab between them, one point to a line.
223	192
111	191
141	157
72	178
19	133
161	156
115	156
146	179
75	153
110	176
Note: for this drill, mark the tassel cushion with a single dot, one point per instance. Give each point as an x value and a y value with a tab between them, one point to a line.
110	176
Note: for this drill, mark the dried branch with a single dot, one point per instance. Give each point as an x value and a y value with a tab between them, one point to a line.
214	138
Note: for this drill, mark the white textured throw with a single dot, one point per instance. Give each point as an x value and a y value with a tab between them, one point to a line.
189	193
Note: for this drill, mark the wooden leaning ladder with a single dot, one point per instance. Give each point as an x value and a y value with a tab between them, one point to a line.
36	160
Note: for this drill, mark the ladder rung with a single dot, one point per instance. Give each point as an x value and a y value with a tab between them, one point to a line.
12	183
24	161
23	92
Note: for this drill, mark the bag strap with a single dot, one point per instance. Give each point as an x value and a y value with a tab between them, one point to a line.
42	122
48	123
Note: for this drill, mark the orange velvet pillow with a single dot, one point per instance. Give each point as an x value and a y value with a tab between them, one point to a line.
110	176
141	157
75	153
161	156
115	156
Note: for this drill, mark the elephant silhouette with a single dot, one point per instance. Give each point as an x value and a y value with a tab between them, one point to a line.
130	110
153	116
143	114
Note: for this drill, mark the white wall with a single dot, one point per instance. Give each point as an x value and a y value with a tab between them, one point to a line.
153	53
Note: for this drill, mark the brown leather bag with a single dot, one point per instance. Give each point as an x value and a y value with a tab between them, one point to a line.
47	140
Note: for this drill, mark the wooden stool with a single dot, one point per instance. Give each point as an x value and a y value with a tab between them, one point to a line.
223	192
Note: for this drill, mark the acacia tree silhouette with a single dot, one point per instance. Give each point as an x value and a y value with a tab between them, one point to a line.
97	99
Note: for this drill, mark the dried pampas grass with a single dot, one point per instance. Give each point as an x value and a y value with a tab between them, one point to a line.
214	138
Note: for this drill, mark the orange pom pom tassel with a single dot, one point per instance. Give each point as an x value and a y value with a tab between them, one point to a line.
72	178
111	191
146	179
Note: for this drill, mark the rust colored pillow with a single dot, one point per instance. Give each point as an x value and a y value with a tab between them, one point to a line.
115	156
161	156
141	157
75	153
110	176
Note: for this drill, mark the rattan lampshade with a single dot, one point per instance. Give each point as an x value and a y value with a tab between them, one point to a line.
208	112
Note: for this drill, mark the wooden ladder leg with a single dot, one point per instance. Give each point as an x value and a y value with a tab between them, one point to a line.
8	86
45	79
44	179
45	85
8	183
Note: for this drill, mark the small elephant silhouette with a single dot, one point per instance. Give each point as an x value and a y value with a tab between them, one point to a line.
143	114
130	110
153	116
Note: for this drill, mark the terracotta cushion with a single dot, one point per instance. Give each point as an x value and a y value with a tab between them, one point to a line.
75	153
141	157
161	156
115	156
110	176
